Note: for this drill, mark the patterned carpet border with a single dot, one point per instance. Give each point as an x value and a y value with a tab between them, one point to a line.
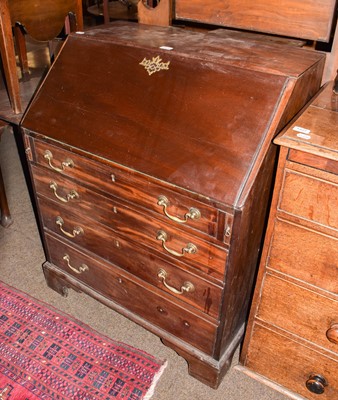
46	354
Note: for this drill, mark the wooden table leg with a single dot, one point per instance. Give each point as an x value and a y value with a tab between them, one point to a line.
8	57
6	218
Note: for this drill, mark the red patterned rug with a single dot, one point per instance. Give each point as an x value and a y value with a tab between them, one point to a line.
45	354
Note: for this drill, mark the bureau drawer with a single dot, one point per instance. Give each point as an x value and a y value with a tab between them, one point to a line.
203	295
310	198
133	187
143	230
291	364
305	313
136	296
305	254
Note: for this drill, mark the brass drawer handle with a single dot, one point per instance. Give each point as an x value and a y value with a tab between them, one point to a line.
82	268
332	334
190	248
187	287
193	213
67	163
76	231
73	194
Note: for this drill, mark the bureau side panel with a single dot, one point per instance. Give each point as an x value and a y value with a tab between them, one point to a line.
244	254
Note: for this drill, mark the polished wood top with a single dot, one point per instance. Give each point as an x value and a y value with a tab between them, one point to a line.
315	130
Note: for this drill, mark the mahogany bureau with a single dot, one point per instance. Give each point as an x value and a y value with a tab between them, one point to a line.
151	158
292	337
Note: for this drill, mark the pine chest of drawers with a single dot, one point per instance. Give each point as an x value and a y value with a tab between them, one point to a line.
294	318
151	160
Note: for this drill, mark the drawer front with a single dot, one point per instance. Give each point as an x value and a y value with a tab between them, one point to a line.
303	312
202	295
141	299
74	196
305	254
130	186
313	160
291	364
143	230
309	198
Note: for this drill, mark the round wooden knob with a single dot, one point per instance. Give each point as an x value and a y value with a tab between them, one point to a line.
332	334
316	384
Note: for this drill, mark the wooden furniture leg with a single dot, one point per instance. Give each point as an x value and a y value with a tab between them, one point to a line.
8	57
106	12
6	219
20	43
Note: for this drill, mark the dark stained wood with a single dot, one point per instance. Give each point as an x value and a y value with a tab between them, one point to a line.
183	322
191	146
205	297
307	19
5	214
294	311
209	259
247	236
200	133
123	184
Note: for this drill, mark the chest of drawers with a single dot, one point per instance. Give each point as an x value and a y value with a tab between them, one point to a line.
292	338
151	160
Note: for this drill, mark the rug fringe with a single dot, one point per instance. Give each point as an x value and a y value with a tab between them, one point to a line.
156	378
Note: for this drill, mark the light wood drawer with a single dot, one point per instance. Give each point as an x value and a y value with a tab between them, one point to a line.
305	254
310	198
205	297
291	363
300	311
132	187
314	161
63	219
141	299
